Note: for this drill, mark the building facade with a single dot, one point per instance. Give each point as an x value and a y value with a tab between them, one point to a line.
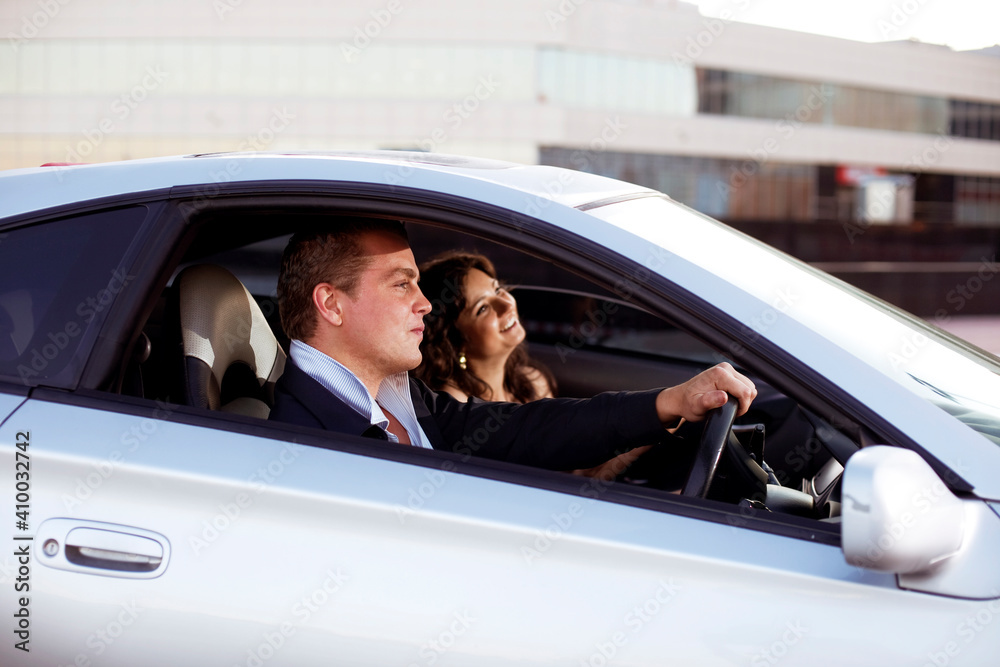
743	122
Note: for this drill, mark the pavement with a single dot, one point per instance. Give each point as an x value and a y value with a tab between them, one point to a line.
980	330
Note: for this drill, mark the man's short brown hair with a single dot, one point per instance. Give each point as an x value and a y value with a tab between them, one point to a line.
334	256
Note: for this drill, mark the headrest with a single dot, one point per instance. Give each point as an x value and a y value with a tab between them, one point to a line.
222	325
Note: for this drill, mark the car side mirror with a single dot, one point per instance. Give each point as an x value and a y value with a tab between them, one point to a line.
899	516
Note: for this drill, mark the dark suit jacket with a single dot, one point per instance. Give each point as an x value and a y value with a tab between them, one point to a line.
558	433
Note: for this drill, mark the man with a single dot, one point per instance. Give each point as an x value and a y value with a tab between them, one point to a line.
349	301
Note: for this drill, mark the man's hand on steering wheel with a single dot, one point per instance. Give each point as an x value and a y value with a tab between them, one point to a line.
708	390
693	401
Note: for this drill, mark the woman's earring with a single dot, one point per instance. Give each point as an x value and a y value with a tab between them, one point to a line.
461	361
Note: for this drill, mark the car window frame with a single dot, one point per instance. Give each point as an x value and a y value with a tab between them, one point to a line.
525	233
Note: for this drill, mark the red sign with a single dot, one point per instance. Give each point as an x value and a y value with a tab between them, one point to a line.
855	175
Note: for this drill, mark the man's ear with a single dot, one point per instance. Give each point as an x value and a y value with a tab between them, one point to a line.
327	301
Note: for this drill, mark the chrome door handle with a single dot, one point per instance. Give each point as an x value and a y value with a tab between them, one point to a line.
101	548
112	550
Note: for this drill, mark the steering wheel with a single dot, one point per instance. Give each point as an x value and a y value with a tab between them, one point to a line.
718	425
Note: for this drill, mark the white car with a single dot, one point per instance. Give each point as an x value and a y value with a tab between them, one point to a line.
156	518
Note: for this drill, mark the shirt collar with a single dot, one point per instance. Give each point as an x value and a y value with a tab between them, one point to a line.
339	381
393	393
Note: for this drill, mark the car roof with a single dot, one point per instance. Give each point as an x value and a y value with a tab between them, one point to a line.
33	189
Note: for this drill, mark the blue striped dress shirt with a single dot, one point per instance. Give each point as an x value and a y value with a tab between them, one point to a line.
393	393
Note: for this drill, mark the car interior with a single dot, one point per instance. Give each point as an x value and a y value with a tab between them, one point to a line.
213	340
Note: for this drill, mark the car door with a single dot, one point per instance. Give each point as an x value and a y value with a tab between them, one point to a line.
282	553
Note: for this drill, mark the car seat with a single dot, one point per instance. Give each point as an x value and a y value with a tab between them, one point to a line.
231	358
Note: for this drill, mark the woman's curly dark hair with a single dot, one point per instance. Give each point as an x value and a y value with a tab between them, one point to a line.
442	280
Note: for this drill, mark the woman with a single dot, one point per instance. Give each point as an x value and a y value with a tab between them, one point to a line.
474	342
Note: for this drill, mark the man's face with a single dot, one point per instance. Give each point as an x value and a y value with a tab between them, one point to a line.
384	320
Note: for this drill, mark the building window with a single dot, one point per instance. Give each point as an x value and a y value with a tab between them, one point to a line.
977	200
593	80
724	189
975	120
756	96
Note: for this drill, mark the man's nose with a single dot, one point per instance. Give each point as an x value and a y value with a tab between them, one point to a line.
422	305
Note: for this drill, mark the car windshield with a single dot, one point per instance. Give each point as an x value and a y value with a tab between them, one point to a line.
943	370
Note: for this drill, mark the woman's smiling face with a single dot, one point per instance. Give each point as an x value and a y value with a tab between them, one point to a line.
489	321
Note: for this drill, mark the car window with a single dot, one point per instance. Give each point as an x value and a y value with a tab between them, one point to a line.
591	340
58	280
580	320
255	264
924	360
